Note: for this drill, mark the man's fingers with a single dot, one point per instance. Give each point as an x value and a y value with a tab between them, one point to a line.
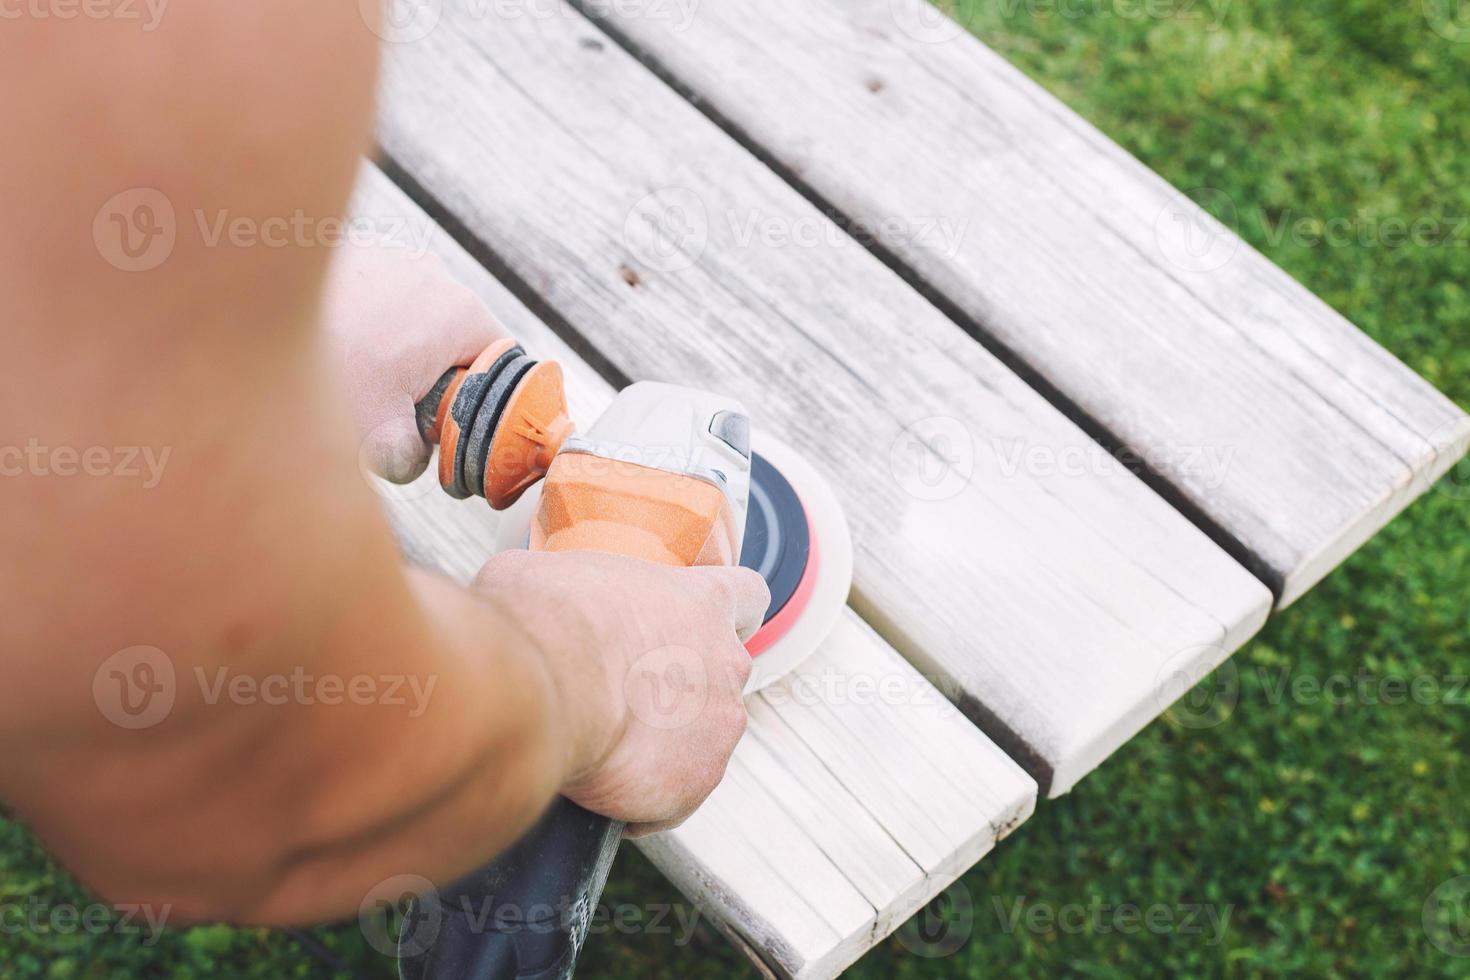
748	595
466	328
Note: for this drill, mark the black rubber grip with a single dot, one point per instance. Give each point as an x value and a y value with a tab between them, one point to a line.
524	916
427	408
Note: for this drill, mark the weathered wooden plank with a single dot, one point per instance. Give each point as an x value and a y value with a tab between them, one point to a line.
798	855
1287	428
1061	604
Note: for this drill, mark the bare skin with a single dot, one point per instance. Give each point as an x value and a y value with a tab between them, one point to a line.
260	551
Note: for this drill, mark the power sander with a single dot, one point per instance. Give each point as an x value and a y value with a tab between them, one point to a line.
666	474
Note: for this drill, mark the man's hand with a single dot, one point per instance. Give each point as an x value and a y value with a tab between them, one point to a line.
648	667
396	320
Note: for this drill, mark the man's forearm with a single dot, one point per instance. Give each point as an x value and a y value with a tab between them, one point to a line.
291	812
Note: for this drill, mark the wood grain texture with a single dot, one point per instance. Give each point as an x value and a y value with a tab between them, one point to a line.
1061	605
858	793
1287	428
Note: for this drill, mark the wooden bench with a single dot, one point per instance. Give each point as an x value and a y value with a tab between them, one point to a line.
641	198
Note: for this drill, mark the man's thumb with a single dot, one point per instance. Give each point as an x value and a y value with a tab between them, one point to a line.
394	450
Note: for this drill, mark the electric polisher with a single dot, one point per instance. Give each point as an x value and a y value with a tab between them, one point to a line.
667	474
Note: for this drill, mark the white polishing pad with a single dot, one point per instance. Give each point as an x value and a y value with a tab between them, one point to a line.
832	543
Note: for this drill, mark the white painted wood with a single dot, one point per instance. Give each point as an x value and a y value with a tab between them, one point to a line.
1060	606
1154	320
801	855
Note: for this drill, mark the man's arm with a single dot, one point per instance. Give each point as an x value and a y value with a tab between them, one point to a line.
257	550
260	549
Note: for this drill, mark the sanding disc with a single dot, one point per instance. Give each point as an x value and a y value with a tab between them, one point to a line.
797	624
796	536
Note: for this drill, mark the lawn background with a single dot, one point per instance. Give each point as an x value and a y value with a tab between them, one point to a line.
1324	827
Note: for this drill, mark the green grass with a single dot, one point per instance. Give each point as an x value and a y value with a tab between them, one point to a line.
1322	824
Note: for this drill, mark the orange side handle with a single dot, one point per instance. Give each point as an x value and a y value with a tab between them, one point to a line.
596	504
